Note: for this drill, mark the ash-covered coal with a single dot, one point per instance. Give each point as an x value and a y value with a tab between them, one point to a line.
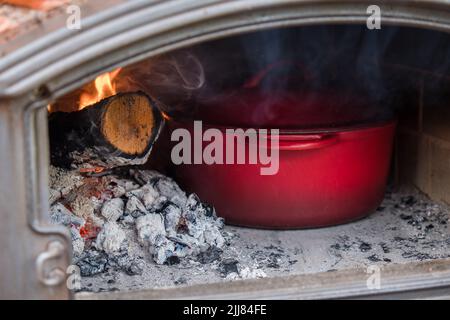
117	222
173	224
94	261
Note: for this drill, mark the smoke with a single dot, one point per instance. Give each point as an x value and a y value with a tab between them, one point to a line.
170	79
348	67
367	71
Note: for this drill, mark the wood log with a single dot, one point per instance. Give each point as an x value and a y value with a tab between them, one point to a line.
119	130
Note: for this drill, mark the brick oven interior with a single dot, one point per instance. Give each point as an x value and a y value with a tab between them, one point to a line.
411	224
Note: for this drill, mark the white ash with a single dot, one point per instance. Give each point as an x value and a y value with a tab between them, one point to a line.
121	186
97	220
157	189
127	260
174	231
150	227
232	269
169	189
127	221
166	225
202	223
111	238
59	214
172	216
54	195
94	262
77	241
169	223
119	191
124	262
62	182
144	176
85	207
148	196
134	207
246	273
112	209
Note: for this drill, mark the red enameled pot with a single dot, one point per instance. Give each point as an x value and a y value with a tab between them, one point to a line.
334	155
324	178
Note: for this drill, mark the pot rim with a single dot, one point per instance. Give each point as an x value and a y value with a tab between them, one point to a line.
293	131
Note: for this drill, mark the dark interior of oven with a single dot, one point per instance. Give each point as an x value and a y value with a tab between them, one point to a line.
403	72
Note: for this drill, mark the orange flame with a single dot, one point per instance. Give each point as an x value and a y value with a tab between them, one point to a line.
165	116
104	87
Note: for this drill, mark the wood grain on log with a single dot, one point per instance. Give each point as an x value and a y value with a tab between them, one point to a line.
119	130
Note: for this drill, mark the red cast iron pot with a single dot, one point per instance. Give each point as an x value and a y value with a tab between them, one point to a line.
324	178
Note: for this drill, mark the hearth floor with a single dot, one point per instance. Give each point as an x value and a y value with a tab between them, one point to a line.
407	227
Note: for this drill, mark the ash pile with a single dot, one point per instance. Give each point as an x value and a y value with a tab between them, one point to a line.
123	219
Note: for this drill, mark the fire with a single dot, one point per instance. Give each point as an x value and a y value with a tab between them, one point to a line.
105	86
165	116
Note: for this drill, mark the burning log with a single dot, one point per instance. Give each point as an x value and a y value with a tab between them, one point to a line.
116	131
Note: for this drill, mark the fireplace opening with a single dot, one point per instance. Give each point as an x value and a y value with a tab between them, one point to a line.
140	220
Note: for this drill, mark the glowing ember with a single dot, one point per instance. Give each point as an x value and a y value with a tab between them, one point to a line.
89	230
92	170
104	87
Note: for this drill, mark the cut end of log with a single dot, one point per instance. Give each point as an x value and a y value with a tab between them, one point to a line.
128	123
116	131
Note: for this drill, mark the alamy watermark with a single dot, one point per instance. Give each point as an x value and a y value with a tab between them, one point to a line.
73	281
373	282
227	147
374	20
73	21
